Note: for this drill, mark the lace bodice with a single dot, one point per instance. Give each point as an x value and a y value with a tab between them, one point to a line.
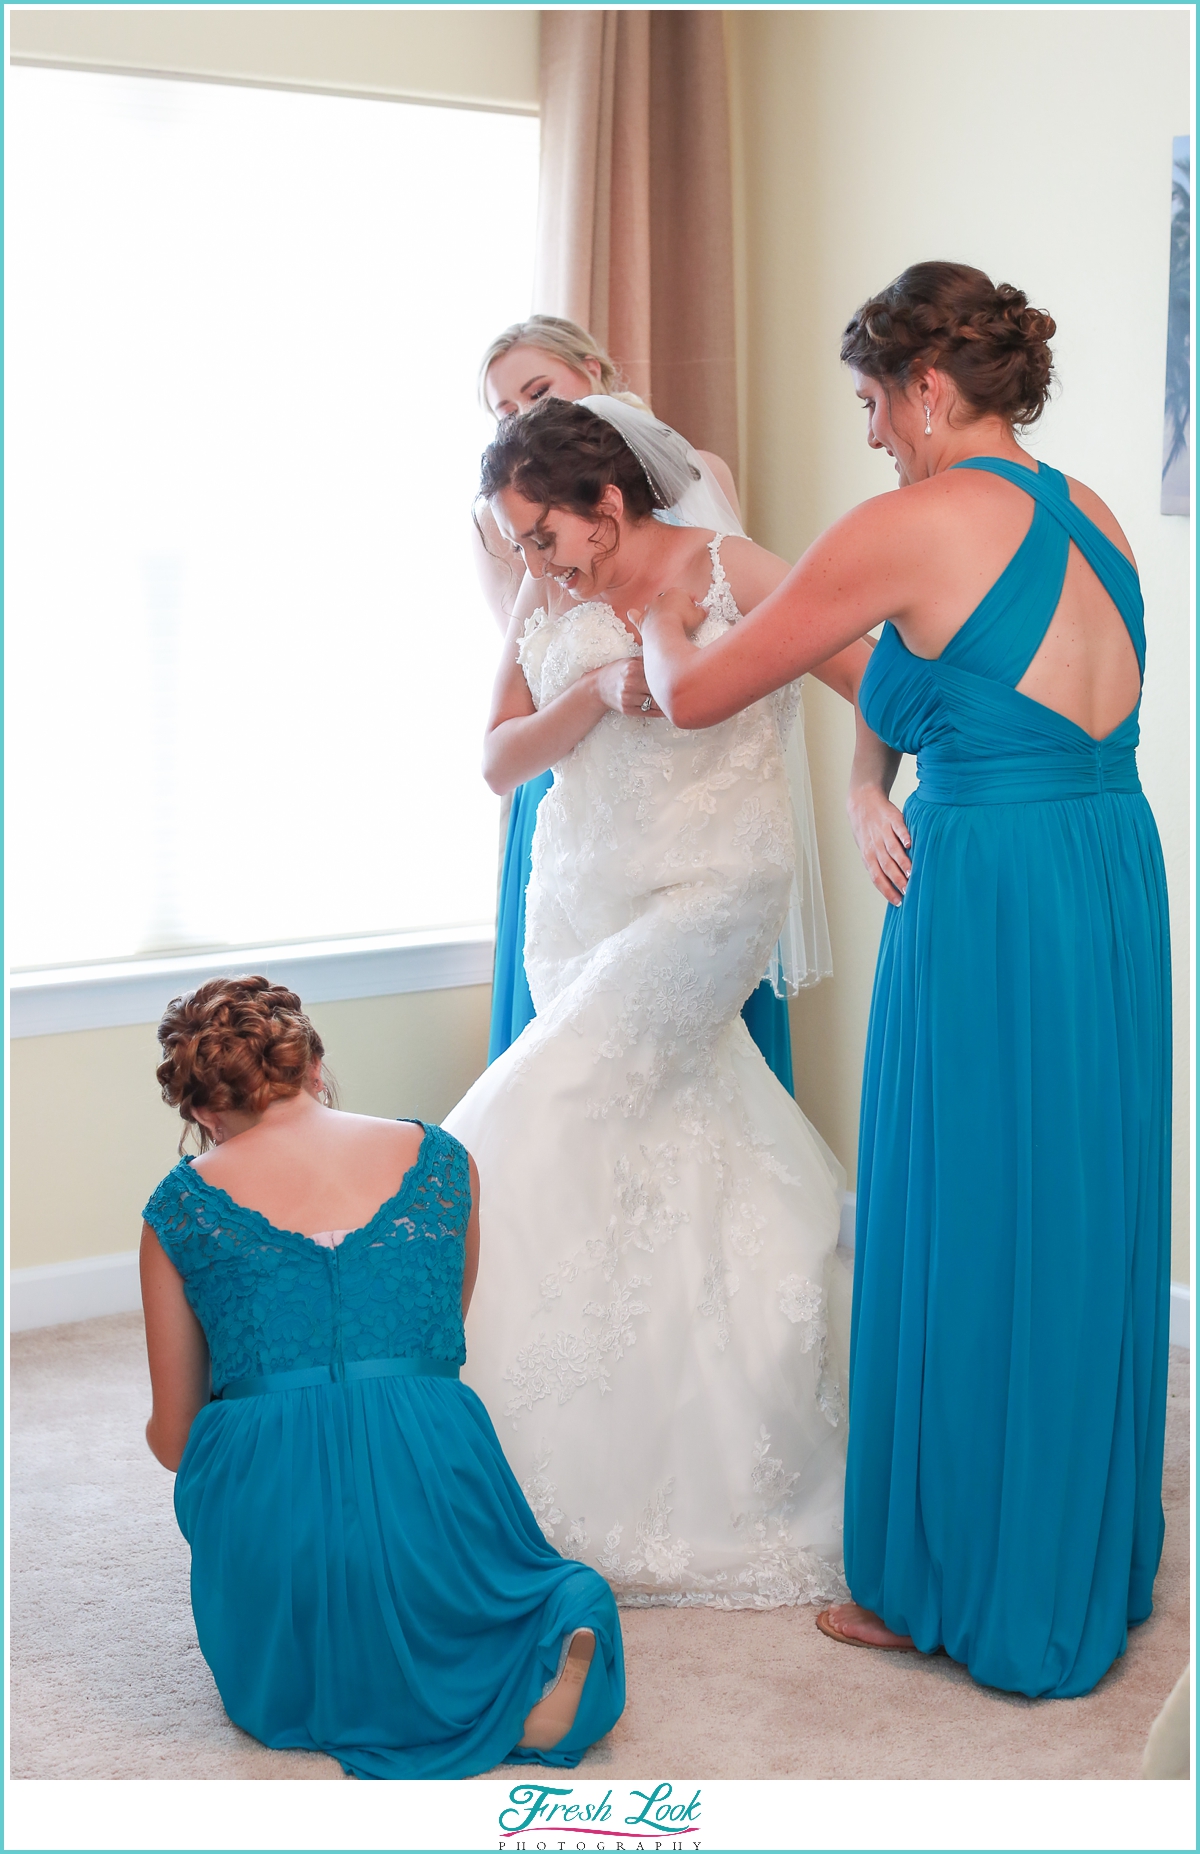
555	652
272	1300
643	814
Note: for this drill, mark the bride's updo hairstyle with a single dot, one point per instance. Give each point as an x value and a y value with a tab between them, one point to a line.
985	335
233	1046
564	455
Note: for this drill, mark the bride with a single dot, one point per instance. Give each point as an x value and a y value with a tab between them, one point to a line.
652	1327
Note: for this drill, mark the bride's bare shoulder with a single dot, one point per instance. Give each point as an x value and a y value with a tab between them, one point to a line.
739	553
752	571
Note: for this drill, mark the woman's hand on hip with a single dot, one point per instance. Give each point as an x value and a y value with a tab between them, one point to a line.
882	838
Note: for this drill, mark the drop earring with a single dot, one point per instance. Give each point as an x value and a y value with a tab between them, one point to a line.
928	426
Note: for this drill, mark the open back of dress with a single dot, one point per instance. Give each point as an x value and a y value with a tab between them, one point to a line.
1009	1352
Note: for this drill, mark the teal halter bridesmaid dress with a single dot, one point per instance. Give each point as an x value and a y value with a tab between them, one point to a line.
765	1014
367	1577
1012	1275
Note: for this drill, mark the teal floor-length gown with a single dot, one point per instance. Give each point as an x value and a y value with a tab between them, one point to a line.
1012	1274
367	1577
765	1014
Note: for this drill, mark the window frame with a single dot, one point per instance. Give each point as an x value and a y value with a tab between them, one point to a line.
137	991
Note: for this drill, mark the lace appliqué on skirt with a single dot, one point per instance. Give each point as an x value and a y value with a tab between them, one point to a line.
649	1331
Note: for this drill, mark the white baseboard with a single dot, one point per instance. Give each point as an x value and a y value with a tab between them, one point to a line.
1181	1314
66	1291
62	1292
849	1203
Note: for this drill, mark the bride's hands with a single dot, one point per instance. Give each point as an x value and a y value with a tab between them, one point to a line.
622	687
882	838
666	627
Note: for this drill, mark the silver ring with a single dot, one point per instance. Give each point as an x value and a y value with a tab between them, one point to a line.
647	705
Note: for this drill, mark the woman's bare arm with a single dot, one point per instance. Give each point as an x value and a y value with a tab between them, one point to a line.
177	1352
754	574
499	571
523	741
879	828
843	673
863	570
878	825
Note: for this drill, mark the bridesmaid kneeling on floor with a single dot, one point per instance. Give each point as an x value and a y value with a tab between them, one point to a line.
367	1578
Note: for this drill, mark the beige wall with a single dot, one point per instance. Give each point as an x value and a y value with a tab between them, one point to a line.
487	57
91	1136
1036	144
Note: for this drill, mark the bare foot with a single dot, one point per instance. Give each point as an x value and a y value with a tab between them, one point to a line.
850	1622
553	1717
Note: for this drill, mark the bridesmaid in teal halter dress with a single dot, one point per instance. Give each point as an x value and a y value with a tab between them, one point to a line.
549	354
1011	1300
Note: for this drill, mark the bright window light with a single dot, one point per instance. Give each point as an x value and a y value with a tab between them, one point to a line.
248	666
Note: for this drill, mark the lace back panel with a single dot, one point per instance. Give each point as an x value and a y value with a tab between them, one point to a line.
273	1300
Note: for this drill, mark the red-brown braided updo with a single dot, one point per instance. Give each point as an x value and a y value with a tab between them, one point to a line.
233	1045
564	455
984	335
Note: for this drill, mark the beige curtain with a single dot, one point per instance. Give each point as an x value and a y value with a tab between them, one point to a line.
635	214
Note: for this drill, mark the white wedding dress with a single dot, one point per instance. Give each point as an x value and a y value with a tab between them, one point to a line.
651	1329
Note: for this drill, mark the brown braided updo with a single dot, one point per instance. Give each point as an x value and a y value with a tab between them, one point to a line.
564	456
984	335
234	1045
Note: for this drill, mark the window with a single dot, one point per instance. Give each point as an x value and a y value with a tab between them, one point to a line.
248	666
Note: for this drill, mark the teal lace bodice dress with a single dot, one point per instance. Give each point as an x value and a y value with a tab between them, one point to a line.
367	1577
1011	1301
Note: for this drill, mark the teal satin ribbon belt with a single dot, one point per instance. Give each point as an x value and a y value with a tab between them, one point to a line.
351	1373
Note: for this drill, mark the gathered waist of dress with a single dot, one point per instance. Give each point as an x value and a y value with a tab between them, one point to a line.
353	1372
1027	779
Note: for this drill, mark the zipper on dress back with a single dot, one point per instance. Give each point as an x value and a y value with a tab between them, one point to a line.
338	1362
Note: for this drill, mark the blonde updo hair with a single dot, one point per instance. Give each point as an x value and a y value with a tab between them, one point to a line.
567	342
985	335
232	1046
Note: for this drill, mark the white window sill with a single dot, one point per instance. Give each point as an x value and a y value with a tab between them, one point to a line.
137	991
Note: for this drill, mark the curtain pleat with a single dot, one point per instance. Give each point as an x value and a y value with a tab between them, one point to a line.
635	214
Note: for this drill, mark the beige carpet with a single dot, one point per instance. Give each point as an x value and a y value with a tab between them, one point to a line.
107	1680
